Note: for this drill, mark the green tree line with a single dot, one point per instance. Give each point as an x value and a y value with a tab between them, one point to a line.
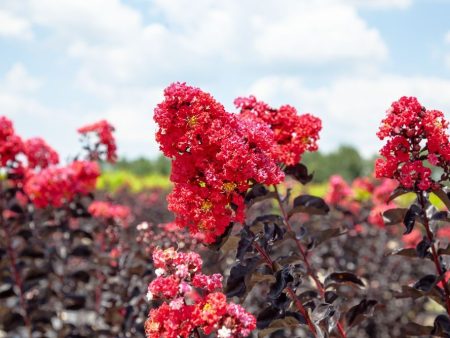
345	161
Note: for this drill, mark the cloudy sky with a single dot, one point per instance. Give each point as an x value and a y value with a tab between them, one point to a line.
64	63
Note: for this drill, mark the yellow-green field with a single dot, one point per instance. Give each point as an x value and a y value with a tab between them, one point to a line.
113	180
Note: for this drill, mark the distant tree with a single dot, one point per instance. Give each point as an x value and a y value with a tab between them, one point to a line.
143	166
345	161
162	165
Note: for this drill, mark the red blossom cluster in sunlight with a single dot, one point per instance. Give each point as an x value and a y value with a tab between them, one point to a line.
55	186
380	201
417	142
107	210
294	134
216	157
192	300
39	153
21	156
33	165
340	194
375	193
10	144
104	131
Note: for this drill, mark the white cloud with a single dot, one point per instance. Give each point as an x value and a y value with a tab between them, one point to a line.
19	101
100	21
381	4
13	26
114	43
129	108
317	34
352	108
16	92
18	79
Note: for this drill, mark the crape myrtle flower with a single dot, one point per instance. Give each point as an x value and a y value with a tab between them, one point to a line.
39	153
11	144
417	142
55	186
293	134
216	156
107	210
191	300
104	131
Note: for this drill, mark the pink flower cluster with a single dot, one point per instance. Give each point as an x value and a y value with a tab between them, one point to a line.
31	164
10	144
179	277
340	194
104	131
216	156
36	152
380	197
107	210
363	189
54	186
414	135
39	153
294	134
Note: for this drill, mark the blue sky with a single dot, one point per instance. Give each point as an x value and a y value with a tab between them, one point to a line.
65	63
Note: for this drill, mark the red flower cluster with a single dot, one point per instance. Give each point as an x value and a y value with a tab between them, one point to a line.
20	157
414	134
294	134
39	153
179	275
380	202
104	131
54	186
216	156
338	190
340	194
10	144
375	193
107	210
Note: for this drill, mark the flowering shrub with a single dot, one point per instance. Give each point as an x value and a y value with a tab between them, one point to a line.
415	135
39	153
106	144
108	210
63	266
293	134
216	157
56	186
222	165
417	145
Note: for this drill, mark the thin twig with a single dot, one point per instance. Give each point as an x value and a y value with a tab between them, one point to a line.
303	252
434	252
291	292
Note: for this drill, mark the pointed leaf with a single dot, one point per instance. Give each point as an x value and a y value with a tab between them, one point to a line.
300	172
343	277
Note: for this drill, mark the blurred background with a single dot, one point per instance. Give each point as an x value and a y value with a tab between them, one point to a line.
65	63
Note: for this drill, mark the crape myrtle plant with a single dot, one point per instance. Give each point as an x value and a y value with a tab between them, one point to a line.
417	155
223	166
70	265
